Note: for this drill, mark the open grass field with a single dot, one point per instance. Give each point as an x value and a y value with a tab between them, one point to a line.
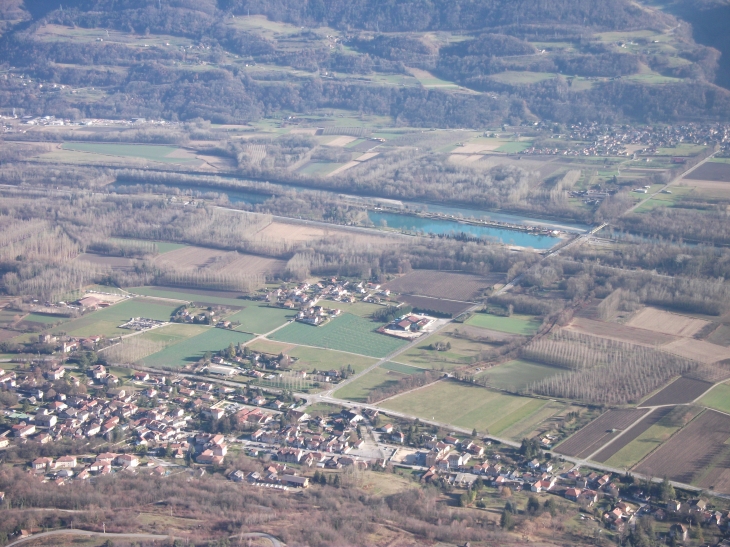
463	352
43	318
324	359
521	78
599	432
467	406
448	285
623	333
107	321
666	322
162	246
684	149
192	349
429	80
648	439
380	377
362	309
261	319
267	346
516	324
201	296
517	375
174	333
345	333
718	398
514	147
451	307
698	454
681	391
163	154
547	418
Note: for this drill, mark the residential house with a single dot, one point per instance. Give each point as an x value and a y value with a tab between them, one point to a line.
41	464
127	460
65	462
295	481
678	531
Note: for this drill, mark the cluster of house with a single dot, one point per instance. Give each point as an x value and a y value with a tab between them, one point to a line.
612	140
275	475
317	315
305	295
69	344
409	326
207	317
67	468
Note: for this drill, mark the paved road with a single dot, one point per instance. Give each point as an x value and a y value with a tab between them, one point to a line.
154	537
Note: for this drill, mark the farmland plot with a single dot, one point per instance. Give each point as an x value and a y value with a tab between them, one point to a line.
610	449
623	333
698	454
681	391
448	285
193	349
599	432
669	323
704	352
450	307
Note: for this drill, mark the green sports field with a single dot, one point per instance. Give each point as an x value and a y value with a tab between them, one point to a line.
516	324
43	318
467	406
192	349
107	321
261	319
345	333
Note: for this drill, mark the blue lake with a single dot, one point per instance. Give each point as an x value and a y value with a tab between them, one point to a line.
444	227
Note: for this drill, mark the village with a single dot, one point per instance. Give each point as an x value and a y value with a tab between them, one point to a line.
162	425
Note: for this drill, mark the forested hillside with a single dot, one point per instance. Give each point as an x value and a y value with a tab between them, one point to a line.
490	61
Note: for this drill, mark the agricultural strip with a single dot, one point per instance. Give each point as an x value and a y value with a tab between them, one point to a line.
449	307
198	296
693	452
681	391
517	375
106	322
673	324
467	406
193	349
261	319
326	359
515	324
345	333
449	285
622	333
652	438
704	352
648	421
718	398
381	377
541	420
599	432
142	151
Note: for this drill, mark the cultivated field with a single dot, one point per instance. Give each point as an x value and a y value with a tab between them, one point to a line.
704	352
451	307
163	154
191	257
515	324
681	391
192	349
114	262
202	297
381	377
261	319
666	322
467	406
106	321
326	359
698	454
517	375
345	333
611	449
599	432
295	233
718	398
614	331
647	441
712	171
449	285
252	264
463	350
